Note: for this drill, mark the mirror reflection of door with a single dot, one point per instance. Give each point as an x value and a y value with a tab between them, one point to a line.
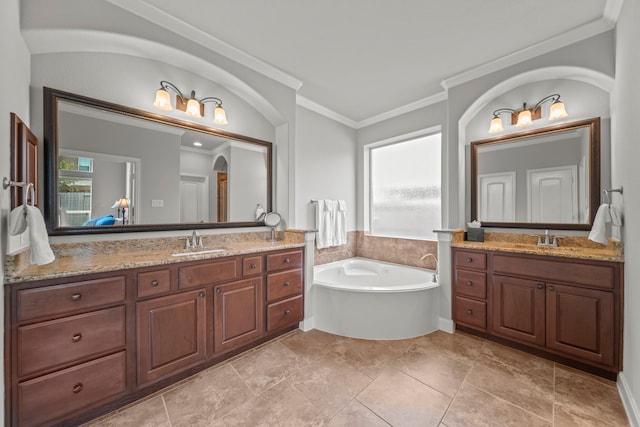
194	198
553	194
497	196
223	188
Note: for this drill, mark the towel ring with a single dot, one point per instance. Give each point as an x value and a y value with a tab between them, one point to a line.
30	190
607	193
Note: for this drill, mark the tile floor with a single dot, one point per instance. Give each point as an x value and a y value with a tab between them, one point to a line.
443	380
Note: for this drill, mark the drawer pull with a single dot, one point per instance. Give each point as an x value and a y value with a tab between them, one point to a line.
469	311
469	283
469	259
552	288
76	338
154	283
285	284
287	312
77	388
76	297
253	266
539	286
202	294
286	260
218	290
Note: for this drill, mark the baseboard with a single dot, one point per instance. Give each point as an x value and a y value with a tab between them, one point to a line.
628	401
446	325
307	324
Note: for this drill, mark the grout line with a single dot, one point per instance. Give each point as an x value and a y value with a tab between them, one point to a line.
166	410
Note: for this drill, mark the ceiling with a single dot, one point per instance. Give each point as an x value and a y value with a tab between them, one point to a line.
361	59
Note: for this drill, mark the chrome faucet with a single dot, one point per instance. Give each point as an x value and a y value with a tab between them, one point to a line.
435	275
194	242
546	242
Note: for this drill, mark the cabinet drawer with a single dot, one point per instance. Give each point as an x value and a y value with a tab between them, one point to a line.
471	312
470	260
284	313
252	266
282	285
49	344
470	283
57	395
284	260
59	299
207	273
599	276
154	282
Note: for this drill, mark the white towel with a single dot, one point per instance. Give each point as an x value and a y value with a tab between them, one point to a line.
321	223
341	224
41	252
606	214
18	220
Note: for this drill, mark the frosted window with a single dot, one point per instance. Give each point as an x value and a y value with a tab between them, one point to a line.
405	188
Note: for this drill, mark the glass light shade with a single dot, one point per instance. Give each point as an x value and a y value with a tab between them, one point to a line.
496	125
219	116
557	111
163	100
123	203
524	119
193	108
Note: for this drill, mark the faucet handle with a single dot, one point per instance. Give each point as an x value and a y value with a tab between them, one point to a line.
187	242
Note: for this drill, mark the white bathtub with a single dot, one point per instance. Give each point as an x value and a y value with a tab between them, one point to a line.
363	298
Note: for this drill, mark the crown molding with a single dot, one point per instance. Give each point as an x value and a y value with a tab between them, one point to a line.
324	111
572	36
612	11
416	105
161	18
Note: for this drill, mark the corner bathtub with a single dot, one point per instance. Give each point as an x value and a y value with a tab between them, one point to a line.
363	298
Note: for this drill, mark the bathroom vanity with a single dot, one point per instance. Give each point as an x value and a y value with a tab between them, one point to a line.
562	303
80	345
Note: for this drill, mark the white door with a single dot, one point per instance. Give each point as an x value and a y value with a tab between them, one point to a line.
497	199
552	195
194	201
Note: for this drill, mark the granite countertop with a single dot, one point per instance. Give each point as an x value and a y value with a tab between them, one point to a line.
568	246
96	257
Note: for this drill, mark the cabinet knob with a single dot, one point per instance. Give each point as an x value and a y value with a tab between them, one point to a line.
76	338
202	294
287	311
76	297
285	284
77	388
469	283
539	286
286	260
469	259
469	311
218	290
154	283
253	266
552	288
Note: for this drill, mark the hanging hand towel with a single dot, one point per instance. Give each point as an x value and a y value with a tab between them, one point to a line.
341	224
598	232
18	220
321	223
41	252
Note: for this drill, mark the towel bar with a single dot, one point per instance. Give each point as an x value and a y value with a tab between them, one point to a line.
607	193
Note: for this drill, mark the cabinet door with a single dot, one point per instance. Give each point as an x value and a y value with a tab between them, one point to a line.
580	322
171	334
238	313
518	309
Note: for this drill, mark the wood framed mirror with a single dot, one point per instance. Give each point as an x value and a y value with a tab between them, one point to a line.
113	169
542	178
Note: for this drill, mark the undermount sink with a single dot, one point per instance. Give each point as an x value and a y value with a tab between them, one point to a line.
188	252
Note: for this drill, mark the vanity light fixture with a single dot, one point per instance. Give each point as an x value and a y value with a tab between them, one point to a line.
191	106
526	116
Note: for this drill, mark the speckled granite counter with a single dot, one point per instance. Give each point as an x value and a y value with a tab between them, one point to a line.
569	246
95	257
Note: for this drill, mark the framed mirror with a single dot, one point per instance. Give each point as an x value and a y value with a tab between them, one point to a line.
111	168
543	178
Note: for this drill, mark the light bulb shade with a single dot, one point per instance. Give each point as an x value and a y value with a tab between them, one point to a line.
163	100
193	108
524	119
557	111
219	116
496	125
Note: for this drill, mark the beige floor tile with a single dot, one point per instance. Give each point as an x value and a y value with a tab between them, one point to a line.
313	345
369	357
206	397
280	406
519	359
403	401
434	369
578	394
460	346
329	386
523	389
571	416
477	408
267	366
356	415
148	413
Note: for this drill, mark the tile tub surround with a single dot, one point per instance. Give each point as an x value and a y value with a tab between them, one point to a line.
568	246
435	380
94	257
388	249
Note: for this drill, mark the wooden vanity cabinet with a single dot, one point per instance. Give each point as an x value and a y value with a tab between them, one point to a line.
566	307
470	289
